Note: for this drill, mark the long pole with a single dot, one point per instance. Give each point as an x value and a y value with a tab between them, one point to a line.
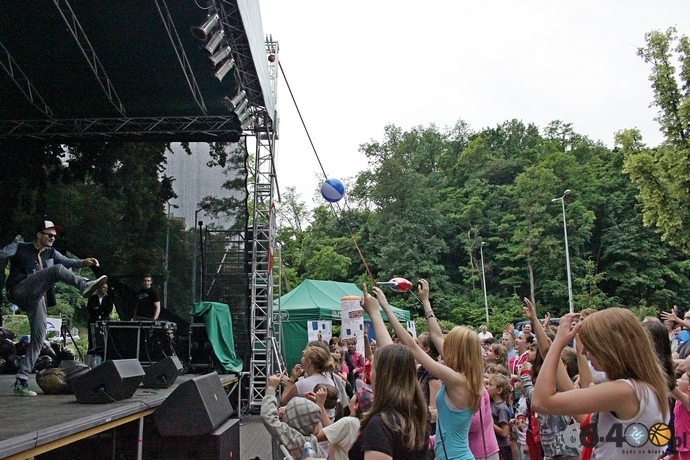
196	215
486	302
203	261
167	258
567	252
567	259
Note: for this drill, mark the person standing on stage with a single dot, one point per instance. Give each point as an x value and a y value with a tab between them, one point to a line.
99	306
148	306
35	267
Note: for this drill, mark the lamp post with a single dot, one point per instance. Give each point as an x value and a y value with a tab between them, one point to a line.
204	207
167	255
486	302
567	253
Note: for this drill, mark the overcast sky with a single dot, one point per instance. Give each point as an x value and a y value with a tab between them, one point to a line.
356	66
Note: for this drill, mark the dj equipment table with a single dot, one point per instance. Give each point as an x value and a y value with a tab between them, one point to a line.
147	341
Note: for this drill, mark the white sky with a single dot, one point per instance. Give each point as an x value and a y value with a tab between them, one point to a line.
356	66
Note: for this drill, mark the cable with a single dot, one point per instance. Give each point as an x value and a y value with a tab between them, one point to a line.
304	125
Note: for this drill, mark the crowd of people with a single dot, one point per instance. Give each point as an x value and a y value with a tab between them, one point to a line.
600	385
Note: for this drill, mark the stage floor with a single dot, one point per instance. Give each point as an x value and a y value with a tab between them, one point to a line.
45	421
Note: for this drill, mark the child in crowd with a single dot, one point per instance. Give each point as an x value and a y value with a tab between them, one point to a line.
300	419
682	419
499	388
496	354
342	434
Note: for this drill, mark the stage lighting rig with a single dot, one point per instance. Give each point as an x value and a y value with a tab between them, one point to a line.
220	55
224	69
201	32
215	41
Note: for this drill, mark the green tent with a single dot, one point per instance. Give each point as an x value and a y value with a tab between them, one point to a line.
310	301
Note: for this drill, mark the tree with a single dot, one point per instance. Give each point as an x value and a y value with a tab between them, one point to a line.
662	174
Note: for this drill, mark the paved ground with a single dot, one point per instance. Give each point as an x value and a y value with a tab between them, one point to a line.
254	439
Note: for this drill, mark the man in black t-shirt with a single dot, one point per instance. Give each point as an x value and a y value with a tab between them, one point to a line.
148	305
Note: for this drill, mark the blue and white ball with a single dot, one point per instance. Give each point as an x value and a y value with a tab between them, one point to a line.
333	190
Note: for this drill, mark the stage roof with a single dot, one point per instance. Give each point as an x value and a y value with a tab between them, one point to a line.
127	70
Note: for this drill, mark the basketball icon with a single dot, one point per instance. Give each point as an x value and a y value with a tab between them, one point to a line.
660	434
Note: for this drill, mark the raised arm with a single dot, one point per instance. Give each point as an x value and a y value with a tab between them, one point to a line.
435	331
673	317
371	306
441	371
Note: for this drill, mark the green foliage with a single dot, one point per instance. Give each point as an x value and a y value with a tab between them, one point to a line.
19	324
430	198
662	174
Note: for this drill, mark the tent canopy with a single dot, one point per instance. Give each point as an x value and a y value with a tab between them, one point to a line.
315	299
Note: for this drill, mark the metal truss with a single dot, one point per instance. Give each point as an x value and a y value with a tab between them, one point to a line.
201	128
20	79
180	53
262	293
89	53
266	351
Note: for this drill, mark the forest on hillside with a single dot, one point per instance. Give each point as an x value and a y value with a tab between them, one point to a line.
431	197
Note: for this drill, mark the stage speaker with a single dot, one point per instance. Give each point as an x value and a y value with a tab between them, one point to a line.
222	443
194	408
111	381
163	373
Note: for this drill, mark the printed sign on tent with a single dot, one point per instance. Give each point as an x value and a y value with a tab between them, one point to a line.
323	327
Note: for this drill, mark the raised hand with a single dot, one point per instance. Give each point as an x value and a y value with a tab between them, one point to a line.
274	380
669	316
423	290
566	330
370	304
529	311
383	301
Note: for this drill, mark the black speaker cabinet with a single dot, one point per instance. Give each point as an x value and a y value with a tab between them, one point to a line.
223	443
111	381
200	348
163	373
195	407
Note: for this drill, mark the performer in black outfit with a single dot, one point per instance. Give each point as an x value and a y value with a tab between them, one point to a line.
99	306
148	305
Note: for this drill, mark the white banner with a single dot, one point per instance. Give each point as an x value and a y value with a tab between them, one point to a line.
352	320
324	328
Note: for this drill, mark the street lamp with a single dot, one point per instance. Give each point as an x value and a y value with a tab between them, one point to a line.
567	253
167	255
486	302
204	207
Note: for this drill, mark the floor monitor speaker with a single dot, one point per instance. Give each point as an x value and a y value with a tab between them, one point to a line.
110	381
163	373
195	407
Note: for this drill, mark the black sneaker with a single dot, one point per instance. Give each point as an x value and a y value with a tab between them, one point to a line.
92	286
21	388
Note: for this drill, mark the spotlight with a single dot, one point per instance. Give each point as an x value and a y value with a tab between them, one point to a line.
214	41
242	107
246	118
224	69
237	99
202	31
220	55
